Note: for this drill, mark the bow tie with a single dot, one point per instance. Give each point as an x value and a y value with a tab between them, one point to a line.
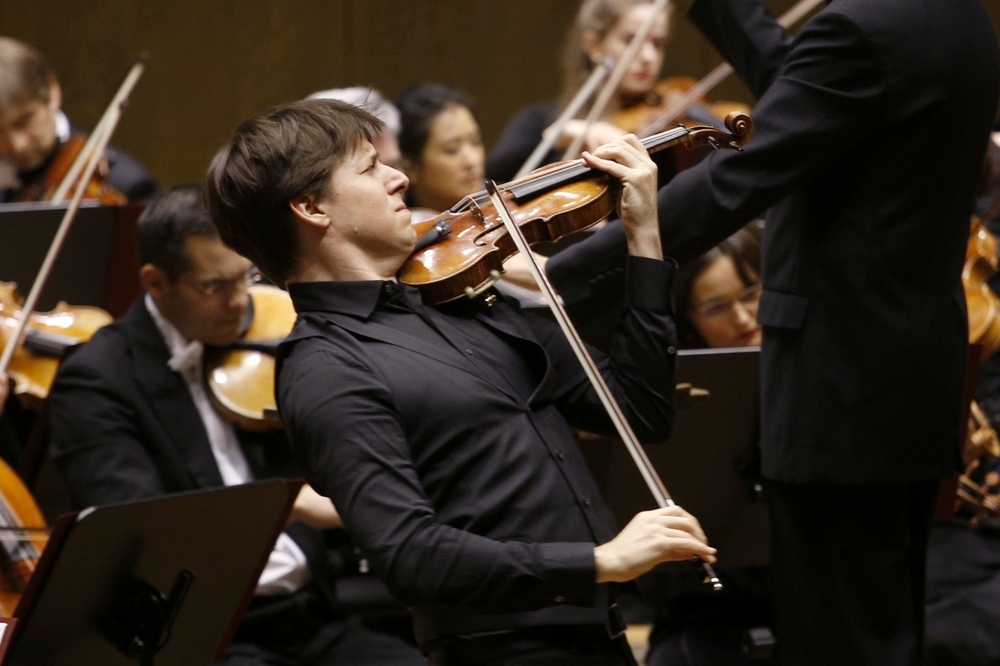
187	359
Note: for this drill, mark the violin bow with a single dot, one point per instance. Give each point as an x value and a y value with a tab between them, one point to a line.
64	226
724	69
579	99
101	136
646	469
611	85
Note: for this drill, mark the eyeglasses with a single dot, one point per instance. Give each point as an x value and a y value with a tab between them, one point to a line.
219	286
748	298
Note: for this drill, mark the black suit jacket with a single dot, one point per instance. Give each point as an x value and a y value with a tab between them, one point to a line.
124	428
871	128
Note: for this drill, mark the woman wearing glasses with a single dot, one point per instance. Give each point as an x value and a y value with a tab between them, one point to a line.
716	297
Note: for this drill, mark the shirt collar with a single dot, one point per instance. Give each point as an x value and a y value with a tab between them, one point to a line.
184	354
357	299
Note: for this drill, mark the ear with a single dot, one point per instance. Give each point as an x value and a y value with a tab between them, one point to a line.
55	94
306	208
591	46
154	280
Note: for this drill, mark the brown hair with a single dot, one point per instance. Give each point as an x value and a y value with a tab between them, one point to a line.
743	248
599	17
283	153
25	74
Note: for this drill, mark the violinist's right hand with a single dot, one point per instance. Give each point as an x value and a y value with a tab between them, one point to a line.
650	538
314	510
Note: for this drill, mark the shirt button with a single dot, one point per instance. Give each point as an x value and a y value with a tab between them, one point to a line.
560	455
469	352
671	350
585	501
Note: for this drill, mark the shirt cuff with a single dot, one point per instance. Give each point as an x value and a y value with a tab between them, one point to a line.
649	283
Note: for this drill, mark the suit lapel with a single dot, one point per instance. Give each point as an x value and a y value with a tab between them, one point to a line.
169	399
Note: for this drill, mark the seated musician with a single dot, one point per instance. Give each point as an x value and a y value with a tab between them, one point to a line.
33	129
443	434
131	420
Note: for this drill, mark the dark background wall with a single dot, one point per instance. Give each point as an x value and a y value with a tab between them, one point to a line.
213	63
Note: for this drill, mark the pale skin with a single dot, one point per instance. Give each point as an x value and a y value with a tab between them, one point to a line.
640	78
360	230
216	320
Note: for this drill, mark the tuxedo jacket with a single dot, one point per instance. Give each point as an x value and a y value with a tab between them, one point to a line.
124	427
870	131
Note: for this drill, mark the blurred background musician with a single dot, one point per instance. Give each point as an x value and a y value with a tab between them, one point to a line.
131	419
35	135
716	297
442	147
864	347
372	101
963	558
602	28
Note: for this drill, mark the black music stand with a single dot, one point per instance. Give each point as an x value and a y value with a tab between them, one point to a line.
161	581
97	264
710	464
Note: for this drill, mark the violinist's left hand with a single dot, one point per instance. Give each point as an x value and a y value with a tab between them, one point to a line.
627	160
314	510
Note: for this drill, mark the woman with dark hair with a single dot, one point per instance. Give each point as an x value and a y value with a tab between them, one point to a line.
716	295
715	300
443	154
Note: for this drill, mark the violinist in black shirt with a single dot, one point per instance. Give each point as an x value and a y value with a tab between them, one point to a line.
443	434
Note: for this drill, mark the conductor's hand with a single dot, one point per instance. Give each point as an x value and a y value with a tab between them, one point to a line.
627	160
652	537
314	510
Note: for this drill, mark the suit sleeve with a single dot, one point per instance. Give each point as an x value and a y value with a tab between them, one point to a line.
95	438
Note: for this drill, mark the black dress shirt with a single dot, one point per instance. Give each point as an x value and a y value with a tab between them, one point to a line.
443	436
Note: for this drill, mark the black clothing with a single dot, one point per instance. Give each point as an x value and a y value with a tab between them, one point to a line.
518	140
124	427
864	241
125	174
453	466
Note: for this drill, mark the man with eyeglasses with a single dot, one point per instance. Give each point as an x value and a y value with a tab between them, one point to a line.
131	419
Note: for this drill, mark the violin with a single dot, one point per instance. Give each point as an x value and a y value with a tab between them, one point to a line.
240	378
652	113
44	188
48	336
461	252
981	263
23	536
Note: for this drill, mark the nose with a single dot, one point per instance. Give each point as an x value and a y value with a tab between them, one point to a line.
239	298
745	314
648	53
396	180
15	142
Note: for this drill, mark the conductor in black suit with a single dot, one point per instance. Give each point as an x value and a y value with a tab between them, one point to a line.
871	127
131	420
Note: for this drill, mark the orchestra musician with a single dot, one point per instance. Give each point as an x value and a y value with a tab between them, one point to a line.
442	434
443	153
870	131
131	419
601	29
963	558
716	297
33	131
372	101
